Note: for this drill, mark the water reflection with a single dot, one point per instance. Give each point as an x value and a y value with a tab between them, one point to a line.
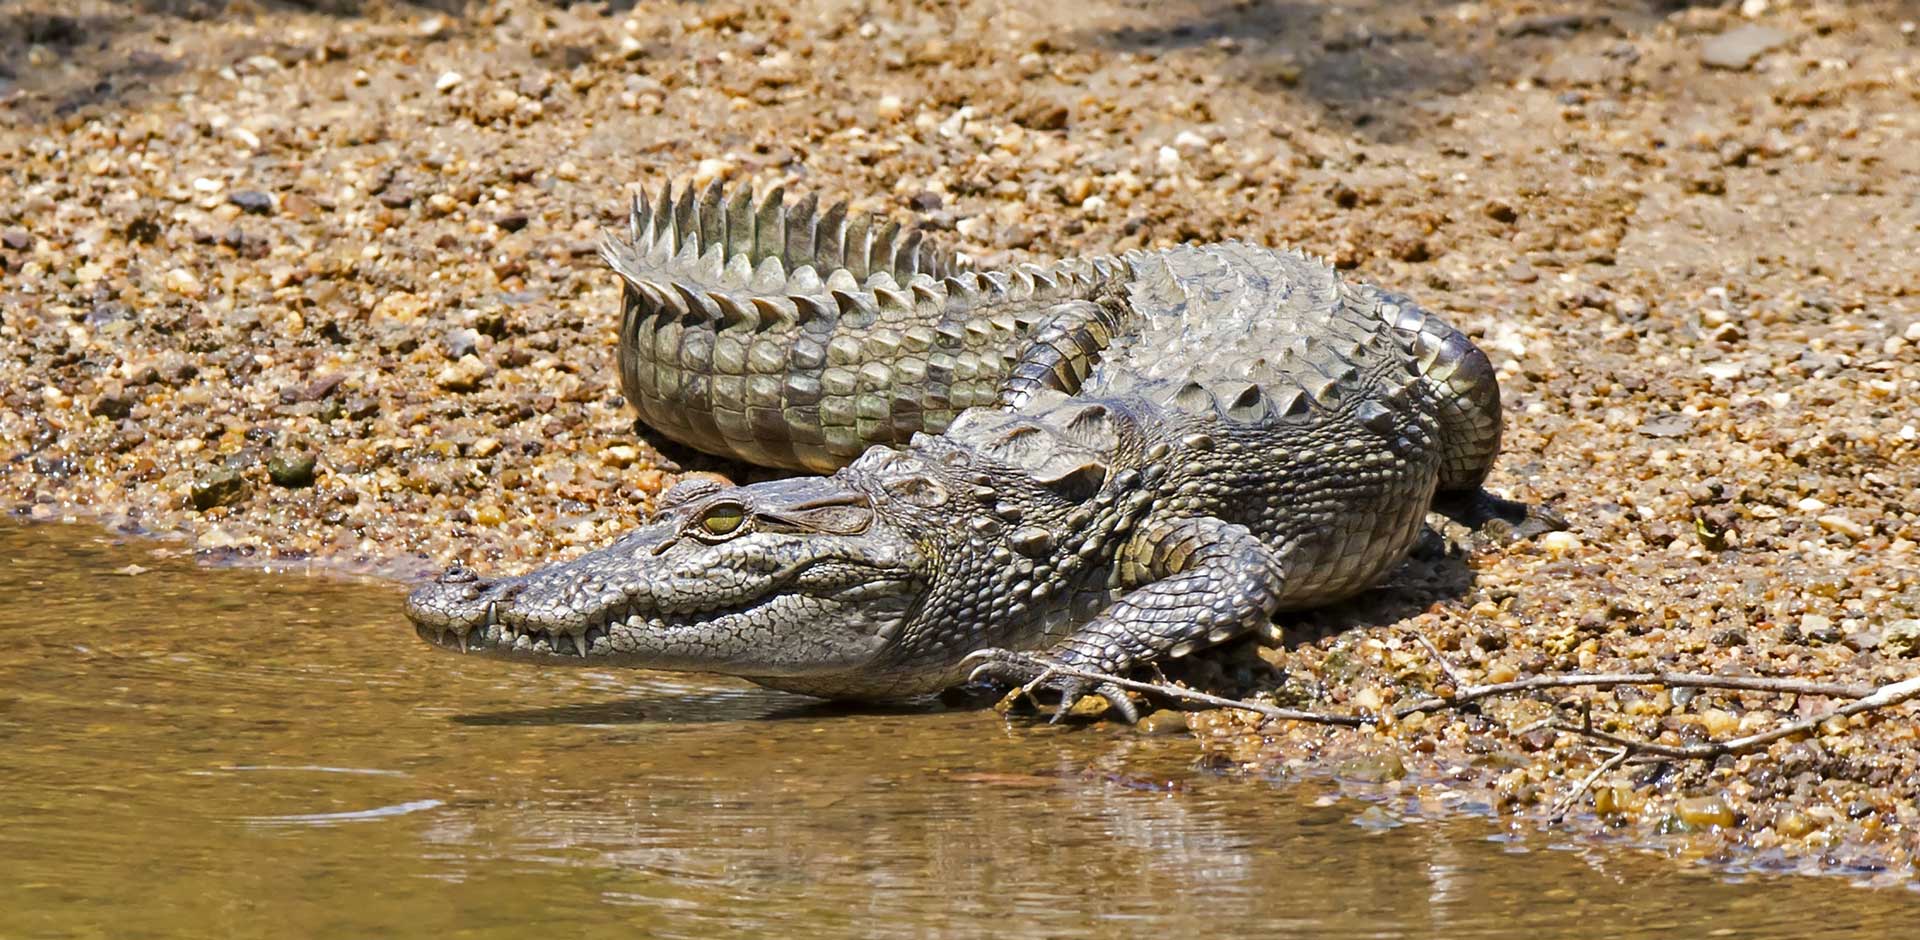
193	752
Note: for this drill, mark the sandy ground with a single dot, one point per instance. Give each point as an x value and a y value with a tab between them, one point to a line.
317	282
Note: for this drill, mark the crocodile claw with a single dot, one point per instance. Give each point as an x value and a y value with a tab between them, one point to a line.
1031	673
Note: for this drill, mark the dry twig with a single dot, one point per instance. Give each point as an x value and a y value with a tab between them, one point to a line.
1864	699
1566	802
1885	696
1608	680
1182	694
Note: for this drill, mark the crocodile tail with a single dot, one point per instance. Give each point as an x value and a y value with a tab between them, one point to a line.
705	237
1470	418
732	302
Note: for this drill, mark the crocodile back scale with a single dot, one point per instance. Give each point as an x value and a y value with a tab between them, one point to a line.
1111	459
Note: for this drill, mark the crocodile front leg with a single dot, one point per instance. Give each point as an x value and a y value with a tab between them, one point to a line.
1200	581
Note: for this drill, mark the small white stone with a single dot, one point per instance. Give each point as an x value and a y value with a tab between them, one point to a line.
207	184
710	169
1724	370
1188	140
1810	504
181	281
448	80
889	107
1560	543
1168	160
1912	335
1841	525
953	126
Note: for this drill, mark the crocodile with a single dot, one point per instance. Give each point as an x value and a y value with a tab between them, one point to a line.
1097	463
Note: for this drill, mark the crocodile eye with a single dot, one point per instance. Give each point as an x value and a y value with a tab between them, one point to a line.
723	519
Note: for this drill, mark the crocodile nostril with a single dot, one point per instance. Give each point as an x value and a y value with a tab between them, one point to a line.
458	573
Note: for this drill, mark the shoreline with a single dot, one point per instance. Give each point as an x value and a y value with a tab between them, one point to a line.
321	284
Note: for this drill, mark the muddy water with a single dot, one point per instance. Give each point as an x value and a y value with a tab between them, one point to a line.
193	753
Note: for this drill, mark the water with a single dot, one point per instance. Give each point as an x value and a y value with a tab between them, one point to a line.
188	752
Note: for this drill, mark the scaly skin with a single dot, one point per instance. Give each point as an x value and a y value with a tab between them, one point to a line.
1110	461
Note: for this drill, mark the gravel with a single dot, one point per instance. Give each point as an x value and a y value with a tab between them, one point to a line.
369	237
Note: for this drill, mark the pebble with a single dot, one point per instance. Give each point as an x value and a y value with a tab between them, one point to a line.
1901	638
1703	812
1168	160
182	281
710	169
1719	722
1372	768
1795	825
112	402
217	486
448	81
1841	525
1164	721
1738	48
252	201
461	342
463	375
1560	543
291	471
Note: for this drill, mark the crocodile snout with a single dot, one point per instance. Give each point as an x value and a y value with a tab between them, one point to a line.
458	600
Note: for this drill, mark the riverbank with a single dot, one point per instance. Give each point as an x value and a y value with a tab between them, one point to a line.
310	287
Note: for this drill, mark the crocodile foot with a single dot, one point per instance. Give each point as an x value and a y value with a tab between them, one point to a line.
1497	519
1031	673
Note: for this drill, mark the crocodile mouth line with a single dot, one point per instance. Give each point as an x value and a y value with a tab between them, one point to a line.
494	636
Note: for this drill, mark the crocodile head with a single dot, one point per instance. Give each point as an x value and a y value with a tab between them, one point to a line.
790	580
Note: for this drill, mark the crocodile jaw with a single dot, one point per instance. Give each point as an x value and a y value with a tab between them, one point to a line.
769	606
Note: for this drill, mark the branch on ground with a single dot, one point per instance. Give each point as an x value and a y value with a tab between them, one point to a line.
1624	750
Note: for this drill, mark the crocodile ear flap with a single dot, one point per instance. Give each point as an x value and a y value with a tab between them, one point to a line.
1074	479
